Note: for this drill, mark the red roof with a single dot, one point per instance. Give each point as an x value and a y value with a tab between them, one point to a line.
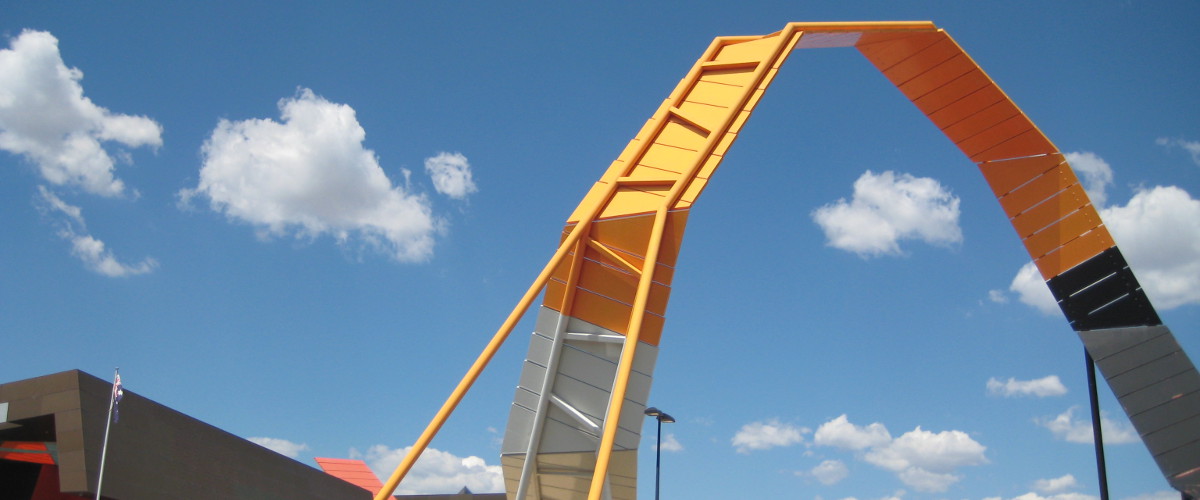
354	472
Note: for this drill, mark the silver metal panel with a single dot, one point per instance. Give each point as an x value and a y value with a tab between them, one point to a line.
1163	415
539	349
561	475
1178	462
1159	388
580	388
1150	373
1139	402
1174	435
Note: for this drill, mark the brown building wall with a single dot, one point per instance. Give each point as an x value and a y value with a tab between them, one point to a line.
154	452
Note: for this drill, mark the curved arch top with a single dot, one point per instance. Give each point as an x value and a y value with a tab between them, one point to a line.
576	417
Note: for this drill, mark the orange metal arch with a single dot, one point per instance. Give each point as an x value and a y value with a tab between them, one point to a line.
616	259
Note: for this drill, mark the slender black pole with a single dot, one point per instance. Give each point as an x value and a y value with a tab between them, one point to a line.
658	458
1097	435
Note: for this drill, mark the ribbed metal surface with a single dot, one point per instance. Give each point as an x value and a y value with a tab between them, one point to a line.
582	384
1159	388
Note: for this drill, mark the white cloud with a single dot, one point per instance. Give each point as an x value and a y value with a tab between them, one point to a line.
1067	428
451	174
1060	496
1032	291
1046	386
887	208
1055	485
923	480
45	118
1158	495
1159	233
938	452
1094	173
311	175
280	446
840	433
91	251
997	296
830	472
435	472
766	435
669	443
925	460
1192	147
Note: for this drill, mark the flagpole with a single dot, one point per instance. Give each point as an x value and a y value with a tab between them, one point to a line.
112	399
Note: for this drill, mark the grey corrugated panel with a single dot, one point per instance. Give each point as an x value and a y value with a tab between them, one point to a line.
1169	413
1159	394
1179	461
586	367
1156	384
1151	373
1140	354
1104	343
583	380
1173	436
561	434
516	434
531	376
540	345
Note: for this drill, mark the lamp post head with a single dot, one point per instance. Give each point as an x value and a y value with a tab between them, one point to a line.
658	414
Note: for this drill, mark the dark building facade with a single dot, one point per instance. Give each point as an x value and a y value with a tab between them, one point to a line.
154	452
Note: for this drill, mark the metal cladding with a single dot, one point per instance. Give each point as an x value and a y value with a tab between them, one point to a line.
624	238
1159	389
584	362
607	286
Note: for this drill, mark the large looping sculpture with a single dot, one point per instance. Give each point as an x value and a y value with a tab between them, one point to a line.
576	418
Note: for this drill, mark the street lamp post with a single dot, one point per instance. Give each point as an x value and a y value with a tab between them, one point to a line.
660	417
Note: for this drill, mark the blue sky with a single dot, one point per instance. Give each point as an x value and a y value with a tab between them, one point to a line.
301	222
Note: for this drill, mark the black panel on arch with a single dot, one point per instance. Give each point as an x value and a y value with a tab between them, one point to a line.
1102	292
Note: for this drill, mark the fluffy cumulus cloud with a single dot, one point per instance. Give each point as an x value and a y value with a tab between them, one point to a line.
1191	147
765	435
1032	291
1158	231
1055	485
670	443
927	460
435	472
1094	173
309	175
1159	234
1049	385
451	174
280	446
1067	427
840	433
923	460
1060	496
95	256
45	118
830	472
887	208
